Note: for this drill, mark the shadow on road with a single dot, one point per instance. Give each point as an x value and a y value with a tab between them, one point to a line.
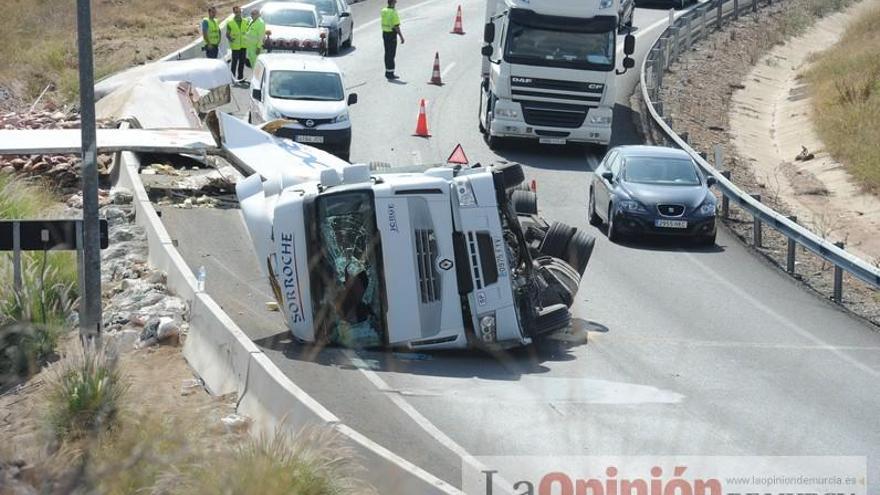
504	365
666	243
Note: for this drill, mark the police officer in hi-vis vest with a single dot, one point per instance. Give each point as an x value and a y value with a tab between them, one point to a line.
390	33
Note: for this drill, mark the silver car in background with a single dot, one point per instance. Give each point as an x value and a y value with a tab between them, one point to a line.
336	18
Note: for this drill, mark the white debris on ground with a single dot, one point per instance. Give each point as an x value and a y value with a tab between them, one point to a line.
63	171
138	310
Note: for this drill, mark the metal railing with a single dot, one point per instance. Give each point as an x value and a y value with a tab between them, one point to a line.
679	37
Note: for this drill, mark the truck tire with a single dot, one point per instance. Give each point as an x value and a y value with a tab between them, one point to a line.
579	249
562	281
511	175
551	319
524	202
556	240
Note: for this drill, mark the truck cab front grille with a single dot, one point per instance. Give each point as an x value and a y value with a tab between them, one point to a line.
426	257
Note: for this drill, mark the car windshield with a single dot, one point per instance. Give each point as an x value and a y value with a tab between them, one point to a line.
325	7
301	85
350	306
663	171
291	18
543	44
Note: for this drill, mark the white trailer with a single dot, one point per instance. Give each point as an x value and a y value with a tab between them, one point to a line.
549	70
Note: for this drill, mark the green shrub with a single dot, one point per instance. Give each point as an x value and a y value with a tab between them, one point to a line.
85	393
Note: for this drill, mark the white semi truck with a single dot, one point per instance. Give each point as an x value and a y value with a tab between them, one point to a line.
444	258
549	70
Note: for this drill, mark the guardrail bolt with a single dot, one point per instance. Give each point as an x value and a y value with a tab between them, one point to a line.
792	251
725	201
757	230
838	279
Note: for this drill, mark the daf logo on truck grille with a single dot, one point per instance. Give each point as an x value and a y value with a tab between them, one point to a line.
521	80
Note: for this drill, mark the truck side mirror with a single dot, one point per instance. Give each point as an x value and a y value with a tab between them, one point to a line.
608	176
486	50
628	63
345	14
489	32
257	94
352	99
629	44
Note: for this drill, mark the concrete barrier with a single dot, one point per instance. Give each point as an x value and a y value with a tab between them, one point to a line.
229	362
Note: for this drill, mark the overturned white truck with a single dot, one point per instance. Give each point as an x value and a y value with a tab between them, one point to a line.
439	259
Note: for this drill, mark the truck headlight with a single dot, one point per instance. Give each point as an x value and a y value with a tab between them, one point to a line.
631	206
506	113
465	193
343	117
487	328
597	118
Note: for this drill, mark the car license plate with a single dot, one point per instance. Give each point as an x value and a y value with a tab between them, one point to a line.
309	139
551	140
671	224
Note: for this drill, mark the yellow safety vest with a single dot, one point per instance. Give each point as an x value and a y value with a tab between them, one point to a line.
390	19
213	31
236	32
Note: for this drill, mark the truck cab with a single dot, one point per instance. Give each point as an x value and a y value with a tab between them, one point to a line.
549	70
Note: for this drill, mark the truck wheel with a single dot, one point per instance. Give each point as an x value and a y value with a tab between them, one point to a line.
524	202
551	319
561	272
511	175
556	240
580	248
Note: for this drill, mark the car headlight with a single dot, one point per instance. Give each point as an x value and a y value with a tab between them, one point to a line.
343	117
708	207
506	113
487	328
466	198
631	206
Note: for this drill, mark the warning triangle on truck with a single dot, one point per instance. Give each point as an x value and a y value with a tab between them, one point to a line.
458	157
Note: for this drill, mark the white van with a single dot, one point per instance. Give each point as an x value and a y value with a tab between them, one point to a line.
307	91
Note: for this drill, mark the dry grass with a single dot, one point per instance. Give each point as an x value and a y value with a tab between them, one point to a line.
125	33
845	85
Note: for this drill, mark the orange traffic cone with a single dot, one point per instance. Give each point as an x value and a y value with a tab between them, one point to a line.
422	123
435	77
457	29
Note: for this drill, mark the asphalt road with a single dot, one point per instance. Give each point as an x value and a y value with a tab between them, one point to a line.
676	350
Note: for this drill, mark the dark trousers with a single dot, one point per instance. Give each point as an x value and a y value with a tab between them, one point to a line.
238	58
211	51
390	41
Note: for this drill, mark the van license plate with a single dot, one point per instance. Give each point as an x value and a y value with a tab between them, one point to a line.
551	140
671	224
309	139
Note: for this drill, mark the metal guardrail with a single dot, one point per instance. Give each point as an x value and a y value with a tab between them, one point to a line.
680	36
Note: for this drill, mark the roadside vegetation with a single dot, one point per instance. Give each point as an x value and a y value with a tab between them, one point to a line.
125	33
845	86
32	319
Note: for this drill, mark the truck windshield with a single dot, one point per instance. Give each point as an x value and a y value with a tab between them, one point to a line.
350	310
558	42
302	85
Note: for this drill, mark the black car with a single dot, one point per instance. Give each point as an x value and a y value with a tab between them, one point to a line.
644	190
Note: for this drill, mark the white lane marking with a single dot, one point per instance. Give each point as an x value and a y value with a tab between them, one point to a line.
399	11
446	70
414	414
783	320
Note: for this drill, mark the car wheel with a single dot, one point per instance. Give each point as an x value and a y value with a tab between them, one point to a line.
524	202
511	175
579	249
706	240
480	113
556	240
333	44
613	232
348	42
595	220
345	156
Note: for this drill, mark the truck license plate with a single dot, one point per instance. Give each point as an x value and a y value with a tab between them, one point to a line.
309	139
671	224
551	140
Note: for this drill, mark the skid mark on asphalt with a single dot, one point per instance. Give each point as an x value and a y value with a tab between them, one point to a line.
786	322
447	70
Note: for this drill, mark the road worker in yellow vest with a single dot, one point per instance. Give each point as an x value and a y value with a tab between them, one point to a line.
236	29
390	33
211	33
254	37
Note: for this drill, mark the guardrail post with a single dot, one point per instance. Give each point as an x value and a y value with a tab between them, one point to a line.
671	17
792	251
684	136
16	257
658	106
719	16
754	6
838	279
688	29
725	201
735	10
664	60
675	41
757	227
